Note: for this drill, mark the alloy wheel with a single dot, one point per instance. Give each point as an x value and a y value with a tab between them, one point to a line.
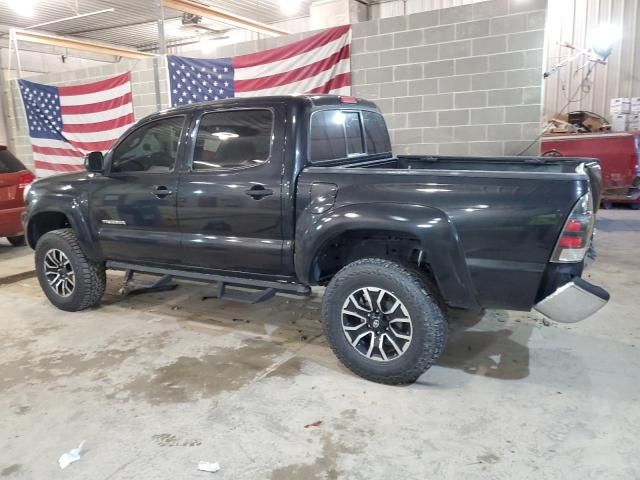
59	272
376	324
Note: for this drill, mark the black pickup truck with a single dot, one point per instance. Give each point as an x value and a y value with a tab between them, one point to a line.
277	194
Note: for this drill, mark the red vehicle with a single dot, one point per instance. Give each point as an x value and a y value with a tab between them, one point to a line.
14	178
619	155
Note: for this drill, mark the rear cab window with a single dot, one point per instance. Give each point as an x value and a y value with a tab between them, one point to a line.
9	163
341	134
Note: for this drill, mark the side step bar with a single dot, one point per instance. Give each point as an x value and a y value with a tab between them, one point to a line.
266	289
241	296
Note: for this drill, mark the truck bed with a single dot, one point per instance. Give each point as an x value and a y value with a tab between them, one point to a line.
485	164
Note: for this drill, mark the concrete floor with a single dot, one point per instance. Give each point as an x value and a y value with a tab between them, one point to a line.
154	383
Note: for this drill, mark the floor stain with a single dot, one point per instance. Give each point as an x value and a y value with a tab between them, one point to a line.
324	467
170	440
489	458
10	470
9	279
192	378
54	366
495	354
288	369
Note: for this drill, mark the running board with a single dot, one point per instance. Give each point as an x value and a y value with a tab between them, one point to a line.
256	296
268	288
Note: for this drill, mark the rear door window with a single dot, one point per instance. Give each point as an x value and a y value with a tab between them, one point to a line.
233	139
9	163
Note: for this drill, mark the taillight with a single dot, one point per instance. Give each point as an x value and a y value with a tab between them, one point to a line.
576	234
25	179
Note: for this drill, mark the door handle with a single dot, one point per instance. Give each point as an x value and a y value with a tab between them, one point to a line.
258	191
161	191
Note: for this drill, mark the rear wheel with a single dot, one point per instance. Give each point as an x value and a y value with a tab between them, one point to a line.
16	241
68	278
382	322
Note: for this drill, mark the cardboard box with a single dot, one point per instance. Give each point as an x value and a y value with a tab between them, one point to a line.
635	104
620	105
619	122
633	121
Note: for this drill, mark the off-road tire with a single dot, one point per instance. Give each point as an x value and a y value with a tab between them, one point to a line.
17	241
90	277
412	288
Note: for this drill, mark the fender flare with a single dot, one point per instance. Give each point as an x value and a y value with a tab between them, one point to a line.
71	208
437	235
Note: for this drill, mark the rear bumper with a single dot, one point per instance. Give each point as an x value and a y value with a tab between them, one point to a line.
11	222
573	301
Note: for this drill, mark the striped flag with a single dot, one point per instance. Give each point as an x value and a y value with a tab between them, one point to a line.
318	64
65	123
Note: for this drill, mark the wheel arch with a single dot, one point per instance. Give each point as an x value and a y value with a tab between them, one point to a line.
409	228
51	218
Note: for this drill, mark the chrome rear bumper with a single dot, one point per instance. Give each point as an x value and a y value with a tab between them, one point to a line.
573	301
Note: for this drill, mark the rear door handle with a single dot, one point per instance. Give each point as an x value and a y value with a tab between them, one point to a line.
161	191
258	191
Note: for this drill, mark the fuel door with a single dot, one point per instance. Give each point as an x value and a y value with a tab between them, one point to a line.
323	196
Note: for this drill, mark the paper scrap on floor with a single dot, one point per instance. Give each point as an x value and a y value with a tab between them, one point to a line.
208	466
71	456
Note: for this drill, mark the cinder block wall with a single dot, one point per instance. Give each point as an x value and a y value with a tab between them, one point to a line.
462	80
142	85
457	81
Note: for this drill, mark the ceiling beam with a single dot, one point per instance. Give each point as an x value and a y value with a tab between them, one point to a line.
76	44
227	18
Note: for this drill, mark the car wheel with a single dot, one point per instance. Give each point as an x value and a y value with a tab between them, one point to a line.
382	321
68	278
17	241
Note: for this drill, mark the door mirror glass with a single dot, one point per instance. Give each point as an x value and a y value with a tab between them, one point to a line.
94	162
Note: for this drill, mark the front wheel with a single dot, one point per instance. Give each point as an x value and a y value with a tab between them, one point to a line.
382	322
67	277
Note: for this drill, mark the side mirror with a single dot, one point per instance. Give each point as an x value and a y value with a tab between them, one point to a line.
94	162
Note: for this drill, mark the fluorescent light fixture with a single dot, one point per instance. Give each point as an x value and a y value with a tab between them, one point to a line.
602	39
23	8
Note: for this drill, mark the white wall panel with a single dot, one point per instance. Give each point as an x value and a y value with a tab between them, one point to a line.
574	21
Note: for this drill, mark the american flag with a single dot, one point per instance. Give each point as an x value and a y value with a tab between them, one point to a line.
65	123
318	64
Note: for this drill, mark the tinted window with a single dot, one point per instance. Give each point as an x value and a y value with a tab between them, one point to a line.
336	134
353	133
152	148
232	139
9	163
376	133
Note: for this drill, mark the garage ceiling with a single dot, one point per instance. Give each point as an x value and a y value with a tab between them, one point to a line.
133	23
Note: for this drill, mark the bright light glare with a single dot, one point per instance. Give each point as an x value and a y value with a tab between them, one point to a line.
338	118
22	7
225	135
289	7
603	37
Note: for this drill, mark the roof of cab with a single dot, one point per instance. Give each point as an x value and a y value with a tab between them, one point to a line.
306	99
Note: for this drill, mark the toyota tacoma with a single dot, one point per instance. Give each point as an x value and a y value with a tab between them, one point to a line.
278	194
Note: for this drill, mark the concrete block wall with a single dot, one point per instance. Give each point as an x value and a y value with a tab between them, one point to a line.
465	80
142	86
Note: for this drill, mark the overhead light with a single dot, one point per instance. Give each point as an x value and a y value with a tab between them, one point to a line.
23	8
602	39
289	7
